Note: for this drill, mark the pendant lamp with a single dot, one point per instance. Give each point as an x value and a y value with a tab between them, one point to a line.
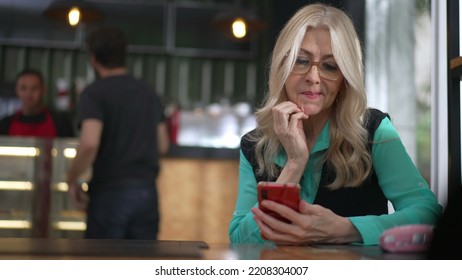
73	11
238	24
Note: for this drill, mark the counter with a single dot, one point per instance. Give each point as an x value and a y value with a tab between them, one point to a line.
59	249
176	151
197	191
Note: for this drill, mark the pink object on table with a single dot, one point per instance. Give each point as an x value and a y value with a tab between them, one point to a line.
407	238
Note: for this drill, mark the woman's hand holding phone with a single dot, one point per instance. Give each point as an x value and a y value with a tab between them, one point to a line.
306	223
287	194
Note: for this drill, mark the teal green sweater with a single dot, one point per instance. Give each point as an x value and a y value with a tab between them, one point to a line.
400	180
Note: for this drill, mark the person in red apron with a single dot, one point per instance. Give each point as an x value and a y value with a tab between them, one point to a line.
34	118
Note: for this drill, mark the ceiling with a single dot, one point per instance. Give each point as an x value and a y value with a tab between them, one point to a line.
146	22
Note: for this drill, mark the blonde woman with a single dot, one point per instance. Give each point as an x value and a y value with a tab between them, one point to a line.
315	130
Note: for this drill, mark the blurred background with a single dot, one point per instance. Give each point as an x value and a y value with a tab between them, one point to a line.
184	49
211	81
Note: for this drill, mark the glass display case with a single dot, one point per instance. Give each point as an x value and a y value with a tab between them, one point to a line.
23	170
33	194
34	199
65	220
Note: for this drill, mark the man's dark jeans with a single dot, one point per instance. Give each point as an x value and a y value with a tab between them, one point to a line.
123	213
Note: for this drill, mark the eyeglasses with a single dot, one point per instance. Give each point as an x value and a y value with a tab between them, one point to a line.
327	69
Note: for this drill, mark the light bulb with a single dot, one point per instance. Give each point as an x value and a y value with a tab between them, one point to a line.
74	16
239	28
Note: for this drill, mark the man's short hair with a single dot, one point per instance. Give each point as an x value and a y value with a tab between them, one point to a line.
25	72
108	45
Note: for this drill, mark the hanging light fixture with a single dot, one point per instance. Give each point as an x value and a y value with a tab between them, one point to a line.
74	16
72	11
239	28
238	24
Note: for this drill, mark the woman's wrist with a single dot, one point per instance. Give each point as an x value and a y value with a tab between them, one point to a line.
292	172
348	232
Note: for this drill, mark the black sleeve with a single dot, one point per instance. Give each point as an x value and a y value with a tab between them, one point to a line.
248	150
5	125
63	124
248	147
374	118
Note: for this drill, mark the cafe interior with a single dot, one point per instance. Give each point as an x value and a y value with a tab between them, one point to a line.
210	72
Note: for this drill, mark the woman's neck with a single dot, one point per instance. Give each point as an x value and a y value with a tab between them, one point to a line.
313	127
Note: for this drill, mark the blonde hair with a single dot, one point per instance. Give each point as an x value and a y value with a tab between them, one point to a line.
348	154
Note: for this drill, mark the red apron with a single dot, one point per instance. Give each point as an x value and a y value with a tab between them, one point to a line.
45	128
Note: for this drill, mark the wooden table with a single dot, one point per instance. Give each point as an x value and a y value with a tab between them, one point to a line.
58	249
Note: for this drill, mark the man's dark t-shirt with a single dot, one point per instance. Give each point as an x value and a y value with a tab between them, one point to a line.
130	111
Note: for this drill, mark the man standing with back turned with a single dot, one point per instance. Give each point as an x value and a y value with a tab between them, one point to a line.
122	135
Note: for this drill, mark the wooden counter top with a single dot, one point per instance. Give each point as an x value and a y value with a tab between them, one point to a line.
56	249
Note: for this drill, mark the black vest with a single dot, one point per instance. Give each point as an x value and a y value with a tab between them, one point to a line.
367	199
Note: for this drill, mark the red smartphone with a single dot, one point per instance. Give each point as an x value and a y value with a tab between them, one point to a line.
287	194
